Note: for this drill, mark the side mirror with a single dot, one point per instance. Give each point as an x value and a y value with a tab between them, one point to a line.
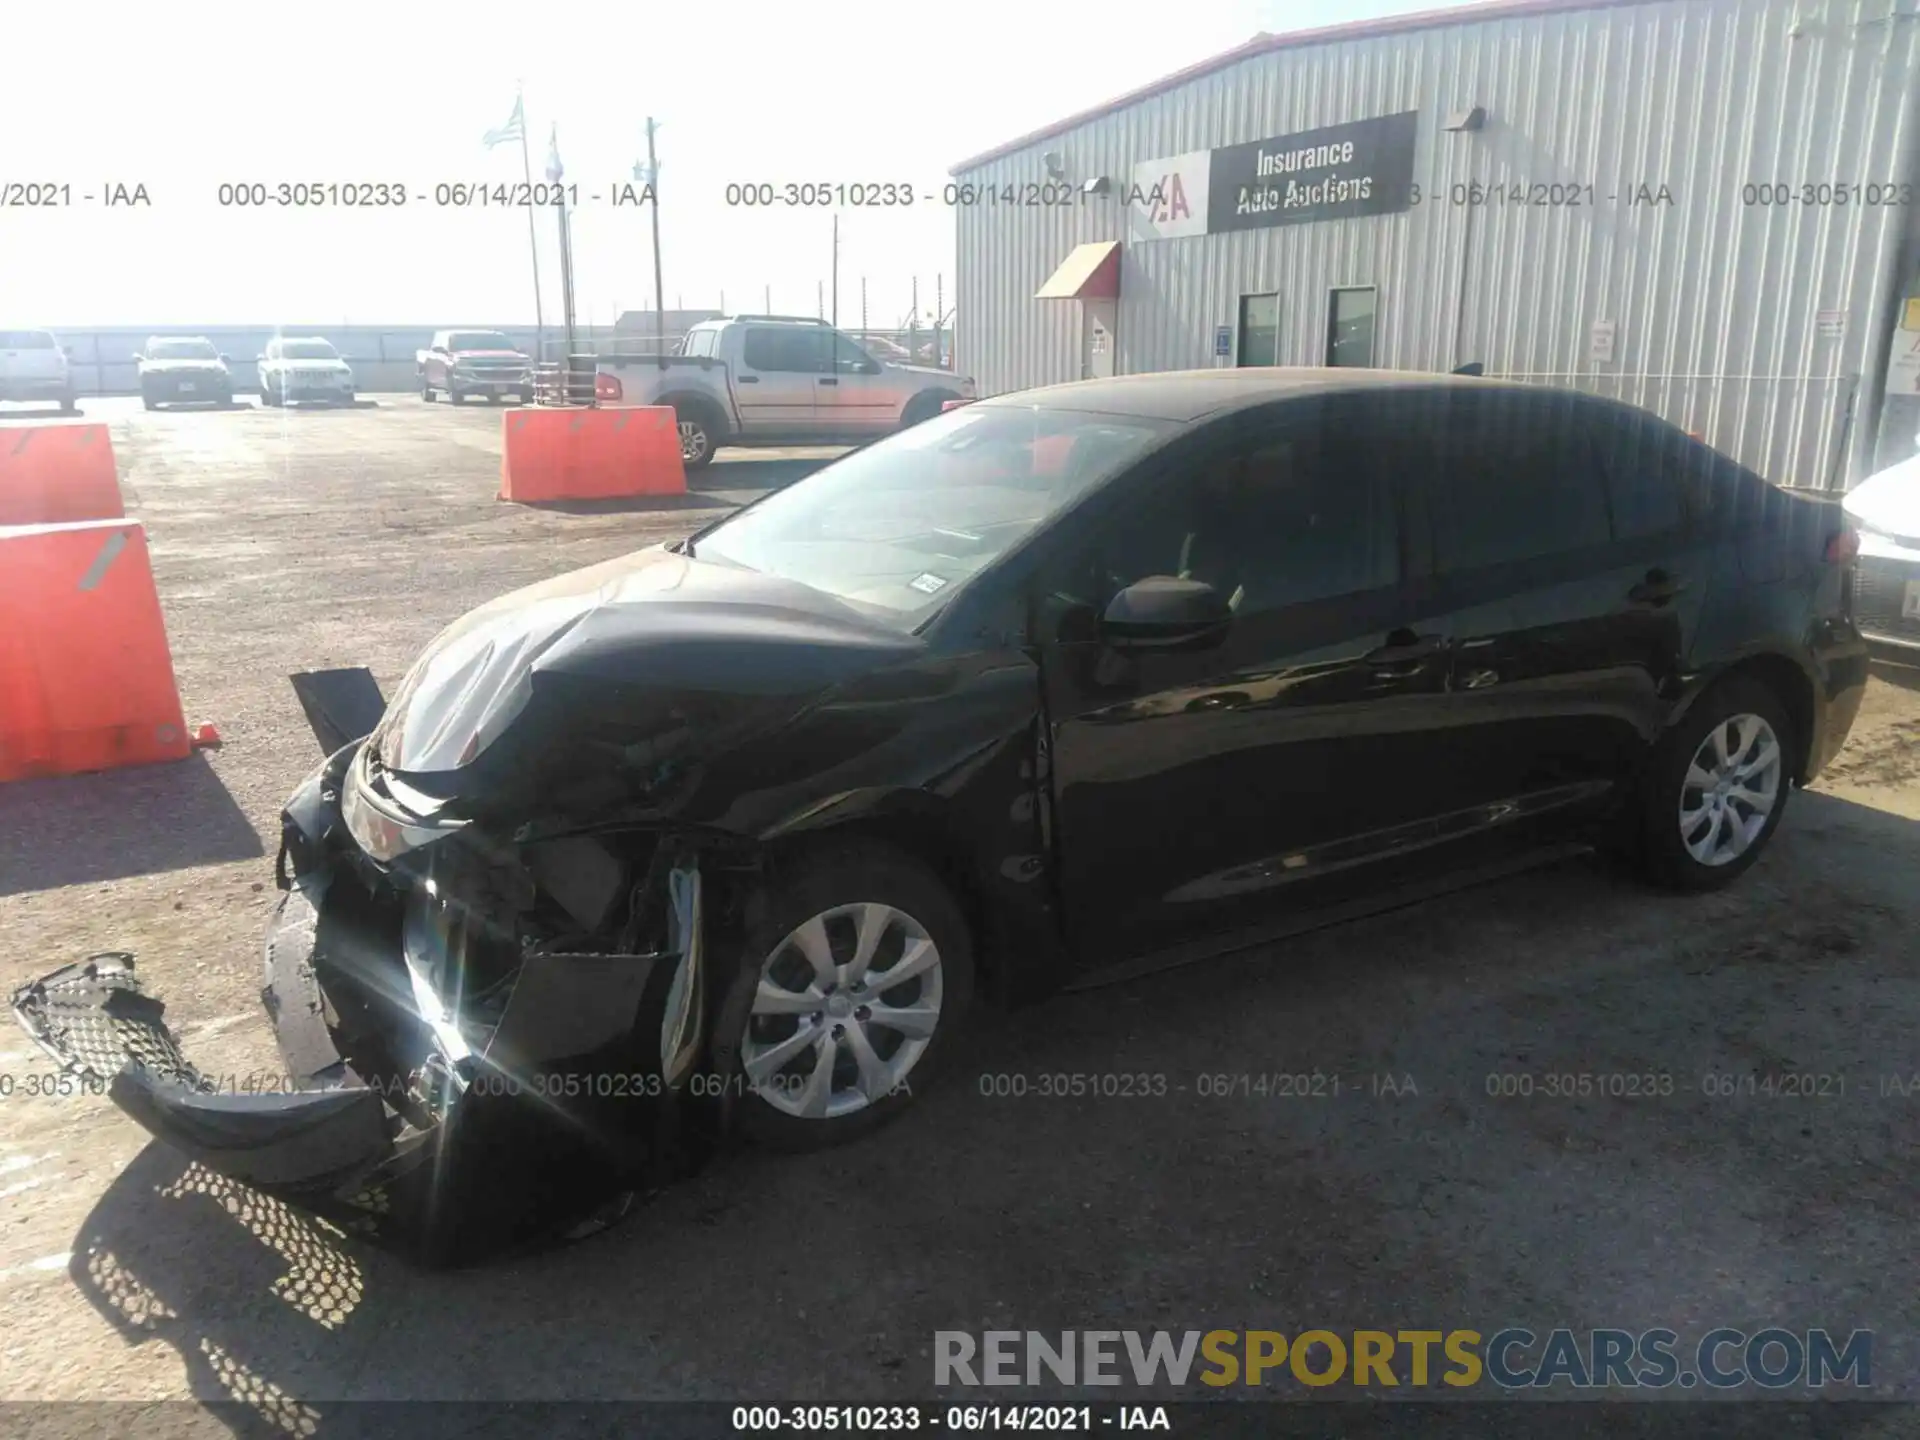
1164	613
225	359
869	367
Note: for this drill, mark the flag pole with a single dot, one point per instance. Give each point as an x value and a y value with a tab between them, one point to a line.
533	243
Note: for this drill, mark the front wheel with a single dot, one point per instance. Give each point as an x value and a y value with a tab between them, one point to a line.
455	396
1716	788
426	393
68	404
856	976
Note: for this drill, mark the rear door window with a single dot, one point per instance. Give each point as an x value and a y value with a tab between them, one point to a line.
26	340
794	350
1518	480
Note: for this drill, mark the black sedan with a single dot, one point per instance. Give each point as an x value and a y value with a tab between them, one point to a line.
728	834
183	370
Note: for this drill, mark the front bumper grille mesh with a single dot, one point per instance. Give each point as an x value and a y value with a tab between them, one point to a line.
1879	588
95	1017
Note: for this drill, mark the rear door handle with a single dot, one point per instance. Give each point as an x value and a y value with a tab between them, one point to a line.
1659	588
829	382
746	379
1405	653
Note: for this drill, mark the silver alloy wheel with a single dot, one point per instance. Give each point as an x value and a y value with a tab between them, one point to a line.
1730	788
693	441
846	1006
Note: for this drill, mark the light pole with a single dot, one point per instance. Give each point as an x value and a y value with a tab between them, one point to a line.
659	290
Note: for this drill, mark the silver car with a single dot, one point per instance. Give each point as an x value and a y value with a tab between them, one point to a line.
1885	509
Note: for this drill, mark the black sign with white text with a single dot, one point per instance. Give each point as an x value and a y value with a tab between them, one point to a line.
1364	167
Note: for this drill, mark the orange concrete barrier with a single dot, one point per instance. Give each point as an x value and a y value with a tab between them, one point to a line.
591	454
50	474
86	679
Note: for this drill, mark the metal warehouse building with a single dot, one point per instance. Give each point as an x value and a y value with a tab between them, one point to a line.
1706	207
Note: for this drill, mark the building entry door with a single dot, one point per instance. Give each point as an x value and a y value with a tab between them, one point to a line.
1096	339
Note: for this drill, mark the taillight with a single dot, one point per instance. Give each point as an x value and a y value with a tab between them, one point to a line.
1843	548
606	387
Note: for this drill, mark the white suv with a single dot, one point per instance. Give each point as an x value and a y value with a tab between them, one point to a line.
34	367
298	369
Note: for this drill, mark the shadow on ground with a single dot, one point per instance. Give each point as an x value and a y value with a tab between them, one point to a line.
1181	1203
83	829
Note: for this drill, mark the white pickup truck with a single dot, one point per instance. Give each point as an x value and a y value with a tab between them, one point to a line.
765	380
33	366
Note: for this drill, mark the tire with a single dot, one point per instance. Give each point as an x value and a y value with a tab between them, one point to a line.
830	881
526	397
455	397
68	404
924	406
426	393
1734	711
147	402
698	437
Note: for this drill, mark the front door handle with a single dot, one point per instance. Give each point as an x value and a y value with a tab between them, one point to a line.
746	379
829	382
1404	653
1659	588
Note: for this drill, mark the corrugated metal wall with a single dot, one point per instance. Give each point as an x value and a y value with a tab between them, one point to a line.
1715	300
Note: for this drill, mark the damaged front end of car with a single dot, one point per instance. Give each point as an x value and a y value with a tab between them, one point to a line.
488	1031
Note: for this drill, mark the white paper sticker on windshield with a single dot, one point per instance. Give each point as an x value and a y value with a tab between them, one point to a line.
927	584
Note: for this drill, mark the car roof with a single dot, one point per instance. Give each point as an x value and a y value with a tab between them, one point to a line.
174	339
1191	395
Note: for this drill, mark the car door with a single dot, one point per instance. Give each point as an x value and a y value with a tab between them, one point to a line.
1199	792
860	399
1566	597
774	384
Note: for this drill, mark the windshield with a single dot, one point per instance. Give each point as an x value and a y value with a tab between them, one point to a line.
900	525
308	350
478	340
182	350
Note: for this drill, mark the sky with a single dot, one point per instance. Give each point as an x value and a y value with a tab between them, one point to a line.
127	94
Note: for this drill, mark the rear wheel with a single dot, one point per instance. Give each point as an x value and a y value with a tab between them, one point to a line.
1716	788
697	436
68	404
146	402
923	407
857	974
426	392
455	395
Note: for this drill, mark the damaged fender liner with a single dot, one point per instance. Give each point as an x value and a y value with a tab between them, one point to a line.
93	1019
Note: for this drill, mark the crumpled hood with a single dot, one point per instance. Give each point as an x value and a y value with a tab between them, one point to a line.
1890	500
653	619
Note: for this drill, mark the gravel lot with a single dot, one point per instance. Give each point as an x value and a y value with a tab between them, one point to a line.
288	541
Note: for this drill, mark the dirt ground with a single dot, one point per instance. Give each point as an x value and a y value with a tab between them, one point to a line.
287	541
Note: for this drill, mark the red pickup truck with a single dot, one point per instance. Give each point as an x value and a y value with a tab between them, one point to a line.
460	363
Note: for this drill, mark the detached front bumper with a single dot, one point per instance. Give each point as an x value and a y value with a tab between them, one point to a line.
94	1021
449	1135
